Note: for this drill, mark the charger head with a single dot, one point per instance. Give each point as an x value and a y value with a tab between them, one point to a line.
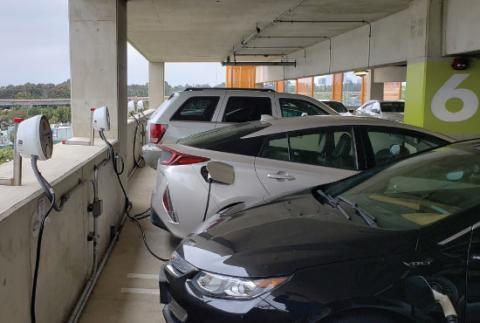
34	138
101	119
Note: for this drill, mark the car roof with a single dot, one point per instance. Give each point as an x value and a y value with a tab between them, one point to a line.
308	122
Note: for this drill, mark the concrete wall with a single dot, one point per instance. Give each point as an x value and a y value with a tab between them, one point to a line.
462	24
388	45
67	256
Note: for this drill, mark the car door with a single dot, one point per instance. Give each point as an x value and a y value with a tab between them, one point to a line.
473	278
196	114
384	145
292	161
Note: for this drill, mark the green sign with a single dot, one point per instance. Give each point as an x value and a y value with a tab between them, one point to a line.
442	99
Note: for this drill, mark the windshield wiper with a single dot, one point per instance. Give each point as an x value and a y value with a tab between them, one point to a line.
367	217
333	202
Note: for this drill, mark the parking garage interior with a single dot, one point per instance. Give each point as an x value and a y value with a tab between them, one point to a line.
425	52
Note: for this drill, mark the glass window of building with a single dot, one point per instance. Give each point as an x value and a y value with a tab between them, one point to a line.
269	85
322	87
352	87
290	86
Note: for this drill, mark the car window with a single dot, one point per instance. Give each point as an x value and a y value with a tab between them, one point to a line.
276	147
391	144
229	139
397	107
327	147
297	108
420	191
324	147
244	108
200	108
337	106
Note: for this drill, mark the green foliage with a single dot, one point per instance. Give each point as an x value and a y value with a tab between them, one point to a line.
138	90
36	91
62	90
6	154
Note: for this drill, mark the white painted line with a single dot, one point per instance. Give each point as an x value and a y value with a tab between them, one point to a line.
142	276
147	291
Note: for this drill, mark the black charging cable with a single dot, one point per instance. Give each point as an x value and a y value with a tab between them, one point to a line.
208	198
51	196
128	205
140	162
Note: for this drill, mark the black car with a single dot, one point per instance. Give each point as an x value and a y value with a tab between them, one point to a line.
352	252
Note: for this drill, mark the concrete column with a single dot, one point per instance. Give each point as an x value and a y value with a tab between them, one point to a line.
98	61
374	90
156	84
438	97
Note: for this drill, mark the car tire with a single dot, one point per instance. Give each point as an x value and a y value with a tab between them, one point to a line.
365	317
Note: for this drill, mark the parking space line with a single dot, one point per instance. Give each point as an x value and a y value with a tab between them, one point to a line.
142	276
147	291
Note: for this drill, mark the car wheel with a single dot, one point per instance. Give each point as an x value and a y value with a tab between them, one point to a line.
365	317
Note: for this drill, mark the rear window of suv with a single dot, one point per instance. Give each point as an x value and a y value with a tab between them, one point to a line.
200	108
229	139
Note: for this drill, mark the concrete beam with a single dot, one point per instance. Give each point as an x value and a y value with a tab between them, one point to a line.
156	84
98	61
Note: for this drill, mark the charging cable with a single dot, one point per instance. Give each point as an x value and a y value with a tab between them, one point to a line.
210	180
140	163
128	205
51	196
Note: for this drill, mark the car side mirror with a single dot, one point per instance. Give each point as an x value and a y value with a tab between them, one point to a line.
151	154
418	292
221	172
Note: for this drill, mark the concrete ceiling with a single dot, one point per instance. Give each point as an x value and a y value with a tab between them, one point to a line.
209	30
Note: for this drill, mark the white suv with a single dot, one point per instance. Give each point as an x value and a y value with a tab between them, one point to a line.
199	109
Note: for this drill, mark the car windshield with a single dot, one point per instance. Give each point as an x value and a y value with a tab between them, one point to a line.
337	106
422	190
396	107
219	135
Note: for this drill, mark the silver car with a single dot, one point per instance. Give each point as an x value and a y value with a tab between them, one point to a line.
273	158
200	109
391	110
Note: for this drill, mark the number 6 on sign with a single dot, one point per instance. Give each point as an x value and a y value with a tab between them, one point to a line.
450	91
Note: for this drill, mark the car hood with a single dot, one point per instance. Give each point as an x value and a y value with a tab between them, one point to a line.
286	235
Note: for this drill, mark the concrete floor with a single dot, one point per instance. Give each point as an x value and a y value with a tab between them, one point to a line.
127	290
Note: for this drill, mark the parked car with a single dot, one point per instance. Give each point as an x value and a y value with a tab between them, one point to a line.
337	106
199	109
273	158
380	247
391	110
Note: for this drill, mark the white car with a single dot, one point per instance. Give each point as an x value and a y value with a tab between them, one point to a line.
391	110
199	109
271	159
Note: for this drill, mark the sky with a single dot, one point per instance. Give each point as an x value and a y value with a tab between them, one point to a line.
35	48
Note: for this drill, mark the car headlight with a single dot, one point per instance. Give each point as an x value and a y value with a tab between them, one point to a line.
220	286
